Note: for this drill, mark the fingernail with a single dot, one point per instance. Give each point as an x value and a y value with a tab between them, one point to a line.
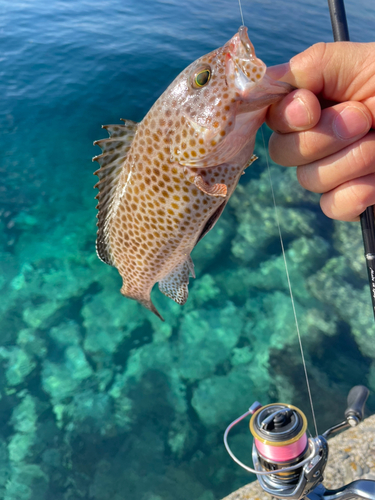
297	114
350	123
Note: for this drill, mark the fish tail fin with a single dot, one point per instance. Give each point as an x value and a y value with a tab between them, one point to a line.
149	305
142	298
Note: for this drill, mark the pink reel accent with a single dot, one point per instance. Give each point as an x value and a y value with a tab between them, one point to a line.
282	453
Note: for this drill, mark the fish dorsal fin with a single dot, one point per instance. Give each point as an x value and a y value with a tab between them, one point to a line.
175	284
114	152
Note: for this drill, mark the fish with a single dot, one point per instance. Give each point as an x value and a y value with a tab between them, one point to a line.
165	181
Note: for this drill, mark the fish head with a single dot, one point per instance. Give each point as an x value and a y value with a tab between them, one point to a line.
221	99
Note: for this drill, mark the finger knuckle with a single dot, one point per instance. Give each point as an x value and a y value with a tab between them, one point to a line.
274	149
345	202
303	176
311	55
355	197
362	158
327	205
306	146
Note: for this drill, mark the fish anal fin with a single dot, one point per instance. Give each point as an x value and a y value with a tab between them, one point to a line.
175	284
114	152
217	190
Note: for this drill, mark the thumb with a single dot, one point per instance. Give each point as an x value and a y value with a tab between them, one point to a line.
340	71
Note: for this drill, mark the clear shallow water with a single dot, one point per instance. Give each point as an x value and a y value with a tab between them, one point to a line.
99	400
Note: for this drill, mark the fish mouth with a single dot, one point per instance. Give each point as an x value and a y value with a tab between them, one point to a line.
247	74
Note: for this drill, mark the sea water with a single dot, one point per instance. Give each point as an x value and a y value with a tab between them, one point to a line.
99	399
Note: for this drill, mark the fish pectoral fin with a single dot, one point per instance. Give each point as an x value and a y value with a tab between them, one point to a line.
252	159
175	284
210	189
250	162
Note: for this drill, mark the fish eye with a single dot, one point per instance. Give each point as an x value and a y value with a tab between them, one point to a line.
201	77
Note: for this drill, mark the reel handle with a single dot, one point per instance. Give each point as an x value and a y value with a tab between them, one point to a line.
357	398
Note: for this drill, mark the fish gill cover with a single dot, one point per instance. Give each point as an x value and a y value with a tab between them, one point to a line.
99	399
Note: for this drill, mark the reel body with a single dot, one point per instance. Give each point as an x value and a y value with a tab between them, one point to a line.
287	462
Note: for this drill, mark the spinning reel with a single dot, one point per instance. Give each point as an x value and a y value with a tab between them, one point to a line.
290	465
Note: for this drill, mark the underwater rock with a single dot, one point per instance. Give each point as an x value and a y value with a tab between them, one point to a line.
25	221
162	331
27	481
19	364
108	320
256	221
8	267
181	435
47	286
66	334
303	255
24	417
118	476
347	239
205	290
93	410
219	399
287	190
151	385
257	229
155	358
5	468
30	341
63	380
371	377
337	286
206	340
212	245
273	313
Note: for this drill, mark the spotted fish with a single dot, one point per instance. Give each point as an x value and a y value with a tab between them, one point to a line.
164	182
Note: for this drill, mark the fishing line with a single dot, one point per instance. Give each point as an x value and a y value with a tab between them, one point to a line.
239	3
289	284
286	269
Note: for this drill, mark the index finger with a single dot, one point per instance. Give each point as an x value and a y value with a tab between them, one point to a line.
340	71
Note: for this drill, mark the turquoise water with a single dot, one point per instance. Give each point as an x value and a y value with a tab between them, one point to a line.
99	400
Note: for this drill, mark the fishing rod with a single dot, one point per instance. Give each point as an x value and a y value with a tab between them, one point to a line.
341	34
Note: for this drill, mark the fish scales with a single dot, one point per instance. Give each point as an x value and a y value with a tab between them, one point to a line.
164	182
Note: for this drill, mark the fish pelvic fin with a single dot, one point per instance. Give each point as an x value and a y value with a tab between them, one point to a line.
142	298
175	284
114	152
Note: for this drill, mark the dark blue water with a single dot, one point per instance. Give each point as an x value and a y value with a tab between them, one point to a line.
99	400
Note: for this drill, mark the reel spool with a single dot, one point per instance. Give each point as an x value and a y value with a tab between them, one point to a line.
280	440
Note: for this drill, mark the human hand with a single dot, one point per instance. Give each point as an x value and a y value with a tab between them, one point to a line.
333	147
